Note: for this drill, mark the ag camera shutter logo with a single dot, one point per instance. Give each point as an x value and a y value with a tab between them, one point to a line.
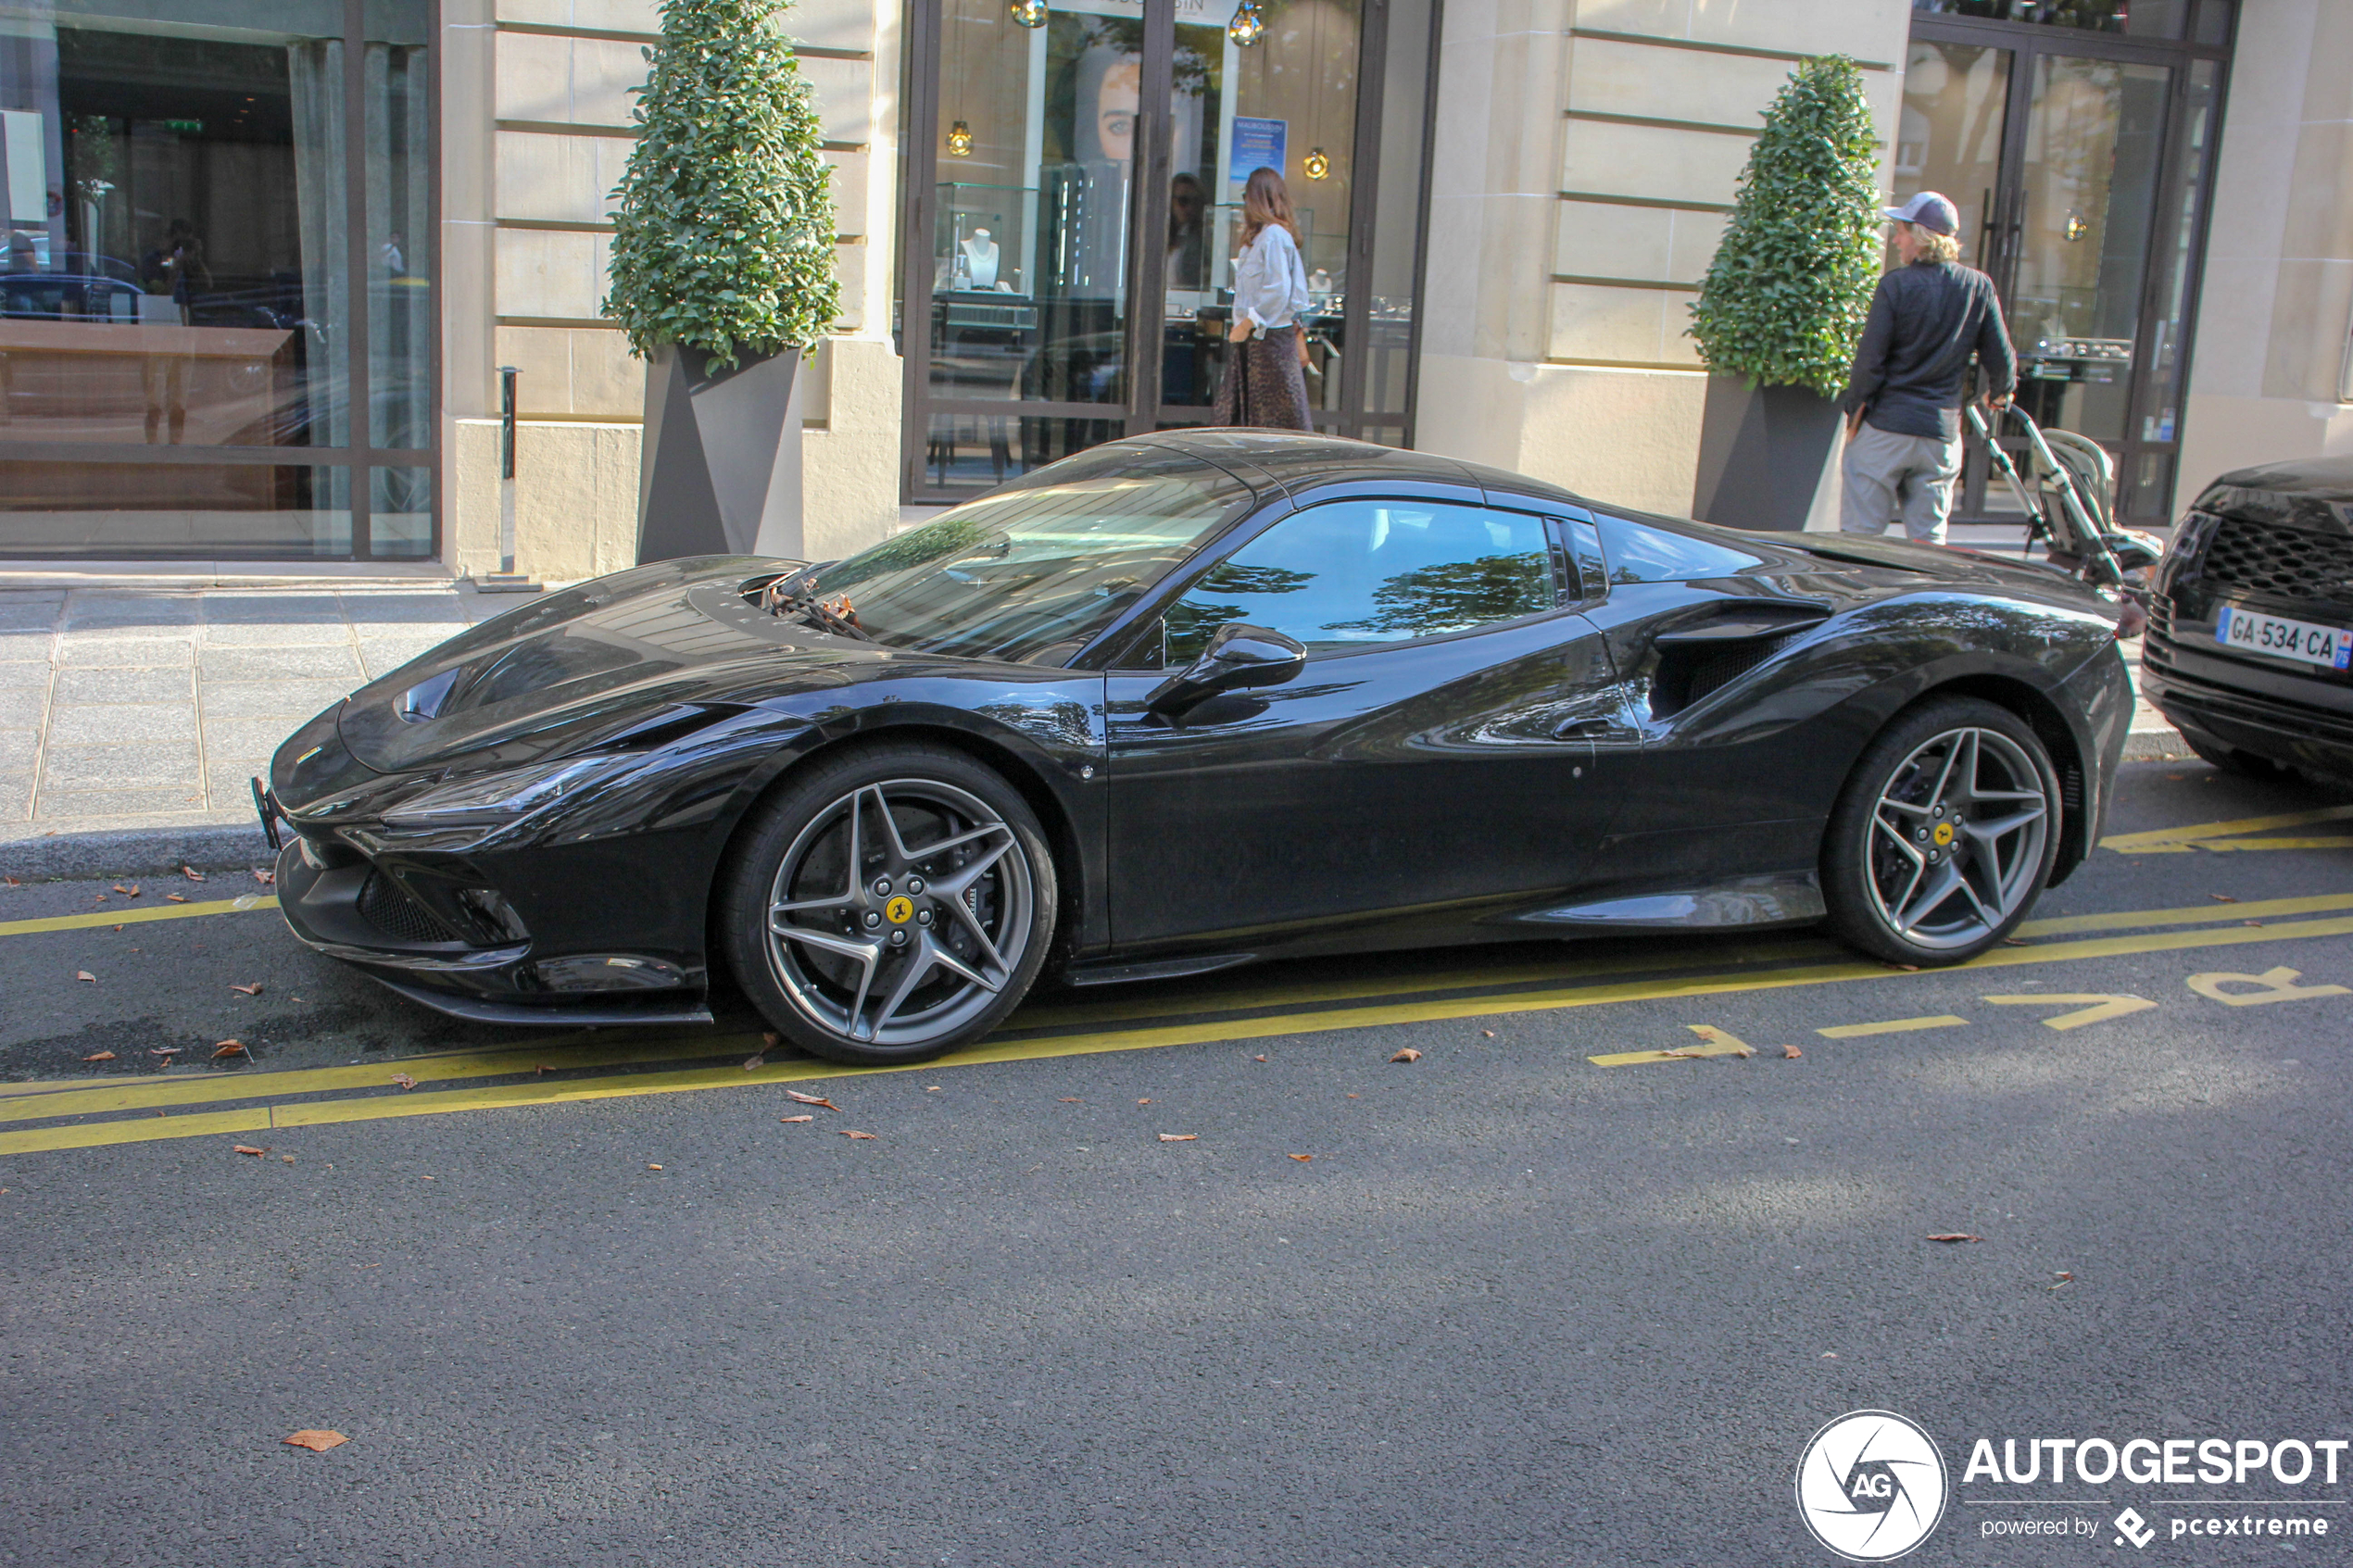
1871	1486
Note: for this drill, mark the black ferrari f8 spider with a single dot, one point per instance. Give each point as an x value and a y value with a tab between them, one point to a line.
1187	701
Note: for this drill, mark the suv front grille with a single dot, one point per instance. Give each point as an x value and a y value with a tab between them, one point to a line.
392	912
2290	562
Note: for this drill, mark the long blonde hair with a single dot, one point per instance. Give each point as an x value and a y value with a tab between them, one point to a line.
1933	245
1267	201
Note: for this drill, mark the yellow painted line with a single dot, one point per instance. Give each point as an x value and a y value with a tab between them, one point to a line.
139	914
1713	1042
2224	845
138	1129
2101	1006
2196	914
153	1094
494	1097
1891	1026
2164	840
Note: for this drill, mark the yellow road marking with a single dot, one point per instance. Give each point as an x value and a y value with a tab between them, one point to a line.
627	1086
154	1094
140	915
138	1129
1891	1026
2273	986
2224	845
2103	1006
2163	841
1715	1042
2196	914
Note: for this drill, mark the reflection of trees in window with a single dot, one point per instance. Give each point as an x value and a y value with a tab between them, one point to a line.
924	545
1190	622
1454	595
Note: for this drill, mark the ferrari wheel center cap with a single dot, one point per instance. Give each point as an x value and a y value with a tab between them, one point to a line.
1944	836
900	910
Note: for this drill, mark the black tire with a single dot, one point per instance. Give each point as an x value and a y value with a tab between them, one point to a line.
1955	795
958	881
2233	761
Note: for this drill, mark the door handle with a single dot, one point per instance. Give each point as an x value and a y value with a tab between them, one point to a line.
1575	729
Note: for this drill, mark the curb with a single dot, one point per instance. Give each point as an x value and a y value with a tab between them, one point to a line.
152	851
2164	745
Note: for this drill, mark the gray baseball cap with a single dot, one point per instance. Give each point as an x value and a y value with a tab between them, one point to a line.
1930	211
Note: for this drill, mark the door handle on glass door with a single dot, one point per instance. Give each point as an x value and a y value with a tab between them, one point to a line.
1575	729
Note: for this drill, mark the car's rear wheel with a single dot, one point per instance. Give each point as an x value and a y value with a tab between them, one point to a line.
890	903
1944	834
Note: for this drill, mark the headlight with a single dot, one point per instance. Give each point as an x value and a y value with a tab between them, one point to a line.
506	797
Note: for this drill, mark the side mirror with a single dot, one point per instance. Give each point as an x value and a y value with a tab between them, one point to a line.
1237	656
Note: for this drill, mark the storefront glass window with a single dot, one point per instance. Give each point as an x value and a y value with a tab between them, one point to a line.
178	275
2135	19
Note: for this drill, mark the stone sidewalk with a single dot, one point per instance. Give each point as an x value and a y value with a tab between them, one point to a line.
139	715
138	708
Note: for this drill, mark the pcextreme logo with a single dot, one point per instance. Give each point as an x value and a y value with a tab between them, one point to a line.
1871	1486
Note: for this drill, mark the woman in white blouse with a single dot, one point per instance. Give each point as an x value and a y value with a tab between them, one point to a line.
1265	384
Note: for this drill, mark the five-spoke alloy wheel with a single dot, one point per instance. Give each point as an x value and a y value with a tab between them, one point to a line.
890	903
1944	834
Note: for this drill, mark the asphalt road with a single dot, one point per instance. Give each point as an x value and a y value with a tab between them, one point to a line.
1518	1307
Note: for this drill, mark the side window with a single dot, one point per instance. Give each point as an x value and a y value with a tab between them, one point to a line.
1351	574
1640	554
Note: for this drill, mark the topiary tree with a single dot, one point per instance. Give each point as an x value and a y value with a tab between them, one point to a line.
724	240
1785	297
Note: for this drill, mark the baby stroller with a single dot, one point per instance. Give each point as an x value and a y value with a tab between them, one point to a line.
2068	494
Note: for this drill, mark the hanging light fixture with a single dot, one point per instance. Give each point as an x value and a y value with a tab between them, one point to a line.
1026	13
1316	164
960	140
1248	24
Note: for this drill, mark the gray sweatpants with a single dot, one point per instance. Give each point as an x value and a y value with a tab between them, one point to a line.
1889	475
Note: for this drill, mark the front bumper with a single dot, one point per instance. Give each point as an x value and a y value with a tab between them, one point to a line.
2262	725
362	913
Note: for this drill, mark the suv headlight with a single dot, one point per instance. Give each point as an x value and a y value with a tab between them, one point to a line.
509	795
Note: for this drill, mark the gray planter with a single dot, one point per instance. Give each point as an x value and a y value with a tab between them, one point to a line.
720	472
1768	458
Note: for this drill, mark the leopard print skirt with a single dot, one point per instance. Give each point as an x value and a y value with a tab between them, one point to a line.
1270	392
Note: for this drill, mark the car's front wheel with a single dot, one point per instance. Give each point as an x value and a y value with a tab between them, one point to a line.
889	904
1944	836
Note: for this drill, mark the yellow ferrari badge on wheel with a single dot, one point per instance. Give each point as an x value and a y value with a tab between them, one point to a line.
900	910
1944	836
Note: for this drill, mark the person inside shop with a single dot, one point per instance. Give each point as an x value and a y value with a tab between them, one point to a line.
1930	317
1265	381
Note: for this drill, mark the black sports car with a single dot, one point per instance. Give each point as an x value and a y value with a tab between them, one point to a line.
2250	642
1186	701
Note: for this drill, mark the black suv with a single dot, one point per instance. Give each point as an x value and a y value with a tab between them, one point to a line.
2250	639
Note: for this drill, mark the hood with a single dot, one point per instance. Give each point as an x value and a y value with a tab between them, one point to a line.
646	649
2317	492
1939	564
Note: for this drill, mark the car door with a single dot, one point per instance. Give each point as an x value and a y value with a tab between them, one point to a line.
1434	754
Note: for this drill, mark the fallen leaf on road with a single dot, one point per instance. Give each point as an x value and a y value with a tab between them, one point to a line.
847	1132
931	1088
811	1099
265	878
1356	1097
1408	1054
2251	922
86	976
2221	897
13	883
1303	1158
1179	1137
175	899
1956	1235
2064	1278
1258	1059
248	1148
287	1158
424	1178
1791	1053
99	1056
1068	1100
119	928
1143	1102
2013	941
1906	968
192	873
131	892
653	1167
318	1442
796	1118
538	1069
252	990
752	1062
404	1080
772	1039
167	1050
1488	1032
229	1047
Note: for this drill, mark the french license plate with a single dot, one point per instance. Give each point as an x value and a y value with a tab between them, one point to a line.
2255	632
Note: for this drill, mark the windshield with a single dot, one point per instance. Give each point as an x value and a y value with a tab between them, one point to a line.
1028	576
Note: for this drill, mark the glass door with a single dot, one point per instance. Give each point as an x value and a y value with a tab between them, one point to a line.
1073	206
2079	164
